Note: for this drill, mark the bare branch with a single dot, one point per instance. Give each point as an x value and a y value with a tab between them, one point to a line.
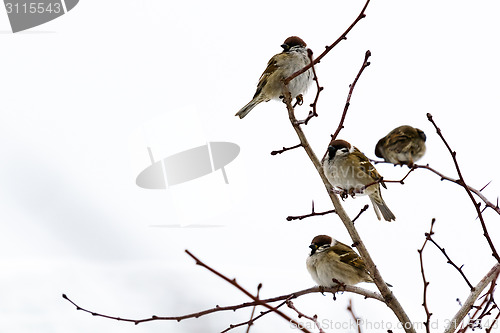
314	318
493	323
488	203
428	314
462	183
243	290
387	294
487	305
313	213
365	64
352	289
449	261
319	89
467	305
250	322
330	47
356	319
281	151
360	212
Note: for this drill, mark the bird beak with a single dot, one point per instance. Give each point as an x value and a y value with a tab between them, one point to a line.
285	47
331	151
313	248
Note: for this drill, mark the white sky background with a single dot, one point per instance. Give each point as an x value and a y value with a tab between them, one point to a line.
84	95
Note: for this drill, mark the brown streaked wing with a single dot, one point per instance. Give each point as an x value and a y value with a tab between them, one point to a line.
347	255
271	67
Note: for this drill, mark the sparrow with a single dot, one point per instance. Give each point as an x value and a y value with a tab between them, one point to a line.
349	169
332	262
403	145
293	58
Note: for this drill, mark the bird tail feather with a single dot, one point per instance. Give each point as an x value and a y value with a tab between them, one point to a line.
381	207
247	108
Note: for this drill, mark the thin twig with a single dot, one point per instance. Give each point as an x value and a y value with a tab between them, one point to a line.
462	183
493	323
281	151
475	321
487	203
449	261
360	212
366	63
319	89
246	292
330	47
314	318
351	289
467	305
489	303
356	319
250	322
313	213
428	314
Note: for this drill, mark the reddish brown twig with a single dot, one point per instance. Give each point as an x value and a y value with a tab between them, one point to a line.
353	289
250	322
281	151
246	292
487	305
319	89
366	63
493	323
356	319
313	213
487	203
428	314
360	212
314	318
330	47
492	275
449	261
462	183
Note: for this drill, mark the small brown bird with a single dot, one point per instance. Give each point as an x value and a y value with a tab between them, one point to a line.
403	145
331	259
349	169
279	67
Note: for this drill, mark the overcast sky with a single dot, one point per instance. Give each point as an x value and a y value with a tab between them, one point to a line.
85	95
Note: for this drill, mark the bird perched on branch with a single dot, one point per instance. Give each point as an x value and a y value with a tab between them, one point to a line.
293	58
332	262
348	169
403	145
